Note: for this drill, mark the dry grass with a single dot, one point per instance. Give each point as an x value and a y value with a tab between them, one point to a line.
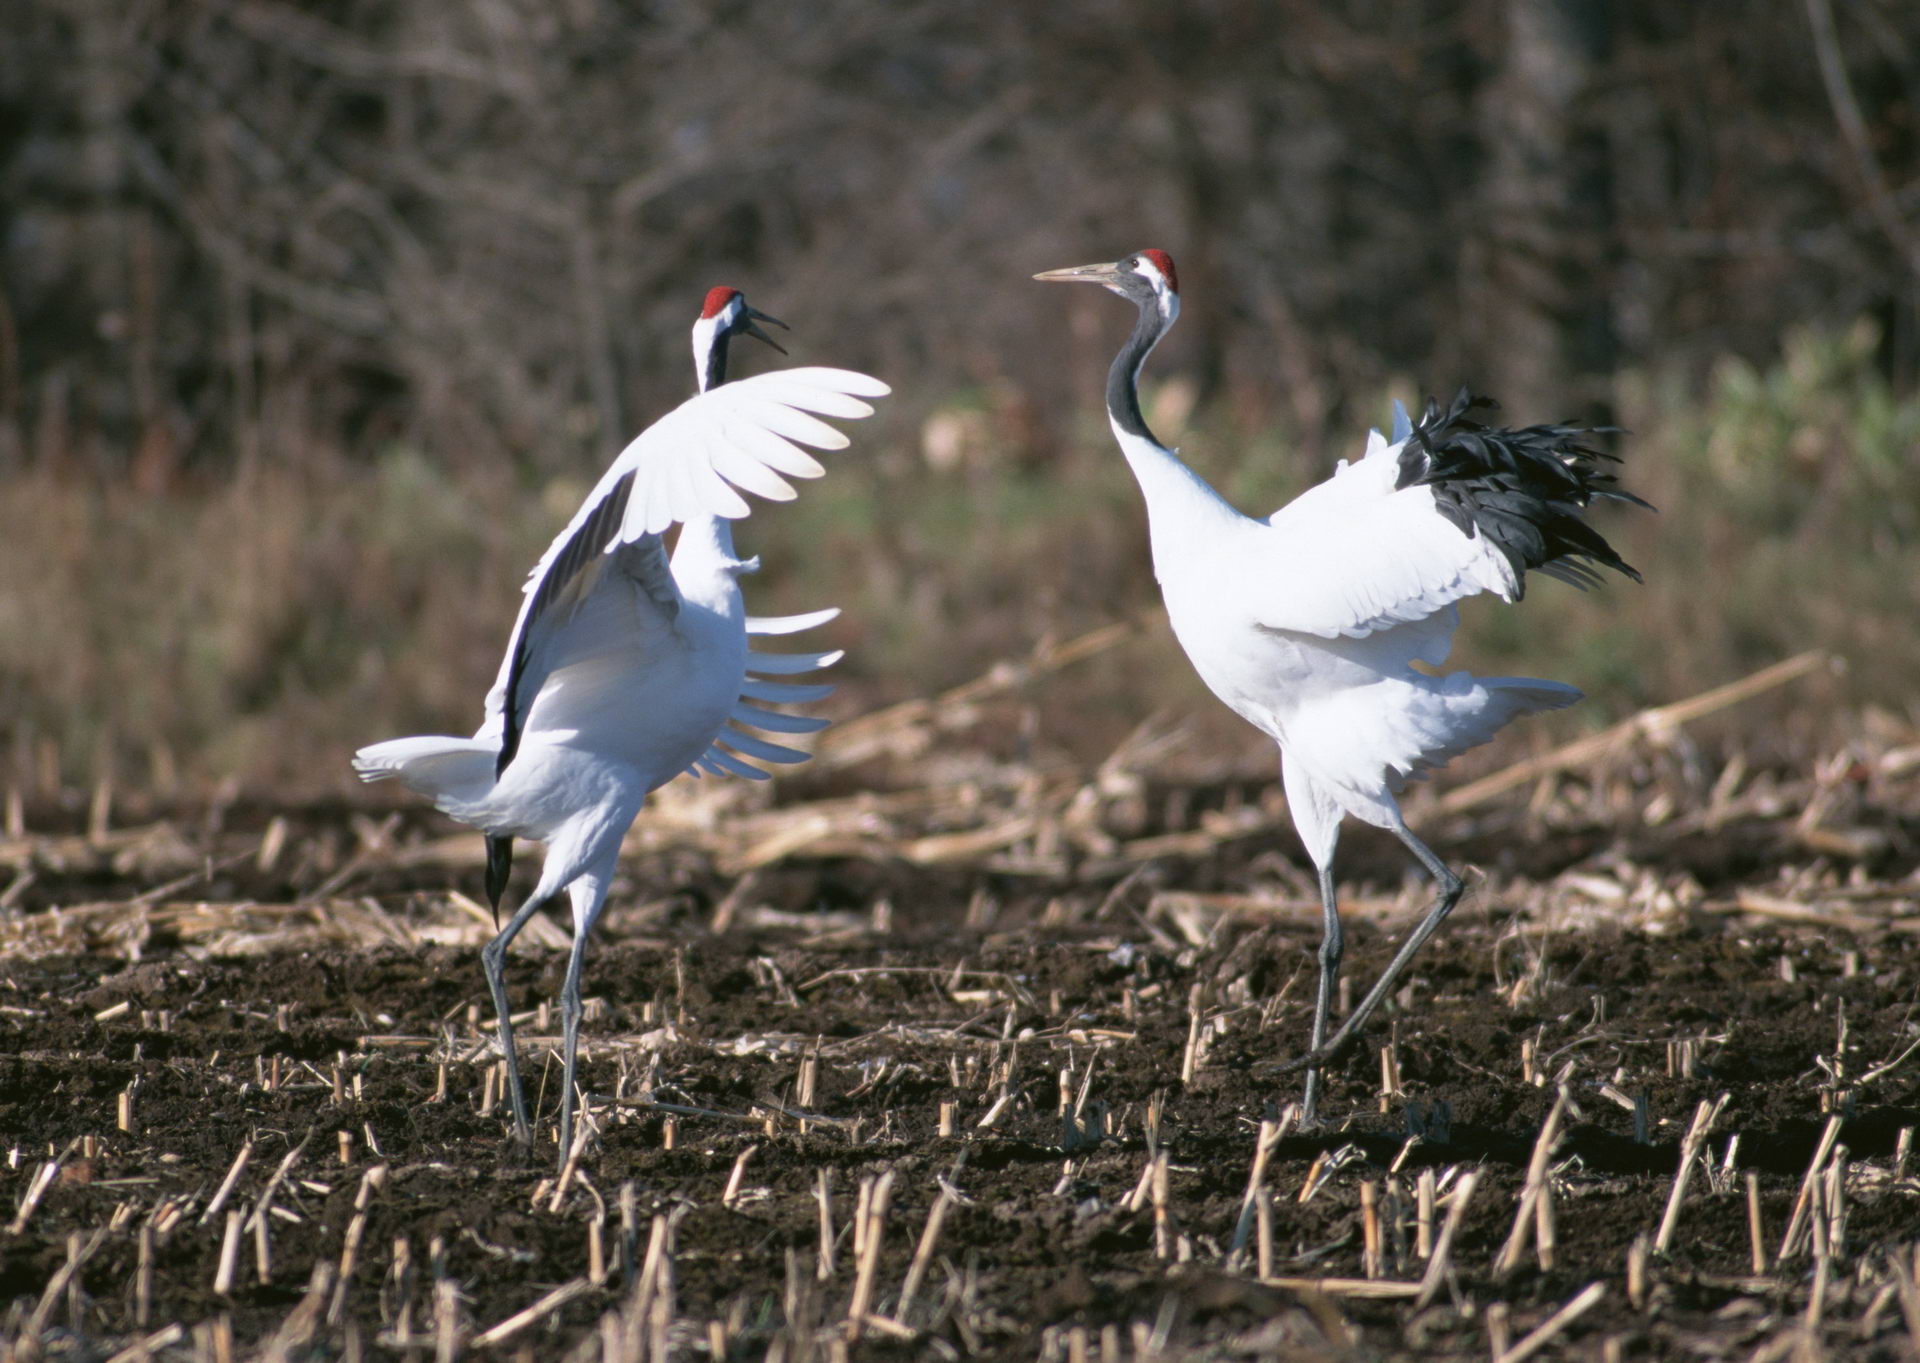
894	1228
325	1244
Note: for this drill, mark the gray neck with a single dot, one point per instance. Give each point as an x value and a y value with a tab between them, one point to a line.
1123	379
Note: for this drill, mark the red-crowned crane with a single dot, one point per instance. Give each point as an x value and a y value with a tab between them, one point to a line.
627	668
1308	624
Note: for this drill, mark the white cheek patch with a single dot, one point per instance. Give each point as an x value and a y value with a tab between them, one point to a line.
1168	300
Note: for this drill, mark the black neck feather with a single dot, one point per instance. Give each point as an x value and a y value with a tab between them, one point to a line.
717	360
1123	380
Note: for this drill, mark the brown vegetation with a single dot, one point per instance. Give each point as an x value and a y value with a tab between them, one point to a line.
983	1070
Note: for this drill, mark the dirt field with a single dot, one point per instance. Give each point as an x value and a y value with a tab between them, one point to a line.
986	1095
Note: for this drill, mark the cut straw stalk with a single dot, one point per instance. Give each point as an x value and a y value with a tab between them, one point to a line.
1443	1248
42	1180
824	1196
1704	1117
533	1314
229	1266
859	739
1906	1282
1370	1223
732	1192
1554	1324
1527	1218
876	1220
1375	1289
78	1252
1270	1135
923	1252
1803	1204
227	1184
287	1162
144	1349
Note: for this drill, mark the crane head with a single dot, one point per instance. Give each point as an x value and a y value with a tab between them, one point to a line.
1145	277
725	313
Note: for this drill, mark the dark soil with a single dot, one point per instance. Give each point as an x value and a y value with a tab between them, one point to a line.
906	989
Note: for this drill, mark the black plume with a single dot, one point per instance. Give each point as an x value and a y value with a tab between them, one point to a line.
1526	489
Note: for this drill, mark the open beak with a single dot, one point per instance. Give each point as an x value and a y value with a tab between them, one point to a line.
1083	274
752	328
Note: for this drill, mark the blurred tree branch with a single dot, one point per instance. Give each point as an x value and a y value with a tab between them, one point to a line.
1853	128
480	227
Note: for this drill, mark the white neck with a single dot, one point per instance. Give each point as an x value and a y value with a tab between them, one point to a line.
1184	513
705	566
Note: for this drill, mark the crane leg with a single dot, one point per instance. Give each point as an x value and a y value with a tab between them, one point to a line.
1450	887
493	957
1332	948
570	1010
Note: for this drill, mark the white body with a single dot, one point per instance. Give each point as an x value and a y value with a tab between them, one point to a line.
1308	625
637	667
1314	624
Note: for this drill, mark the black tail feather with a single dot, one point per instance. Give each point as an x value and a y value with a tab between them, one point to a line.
1527	489
499	867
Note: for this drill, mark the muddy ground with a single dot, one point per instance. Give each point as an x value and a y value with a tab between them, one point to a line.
759	1049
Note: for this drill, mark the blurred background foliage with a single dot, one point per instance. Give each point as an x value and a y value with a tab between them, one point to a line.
315	321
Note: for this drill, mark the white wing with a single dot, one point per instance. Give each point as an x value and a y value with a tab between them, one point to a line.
571	620
718	759
1353	556
746	434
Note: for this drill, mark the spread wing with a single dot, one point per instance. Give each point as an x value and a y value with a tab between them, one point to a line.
1356	554
748	434
740	745
1451	508
569	617
745	435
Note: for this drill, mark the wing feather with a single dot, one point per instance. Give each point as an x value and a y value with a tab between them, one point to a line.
687	463
770	448
775	722
1398	561
564	646
791	423
784	693
743	470
759	748
720	762
717	758
790	624
782	664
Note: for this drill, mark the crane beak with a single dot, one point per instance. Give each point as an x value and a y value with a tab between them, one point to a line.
1106	274
752	328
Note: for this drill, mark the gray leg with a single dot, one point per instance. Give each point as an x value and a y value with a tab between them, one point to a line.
1332	948
1450	888
493	958
570	1010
